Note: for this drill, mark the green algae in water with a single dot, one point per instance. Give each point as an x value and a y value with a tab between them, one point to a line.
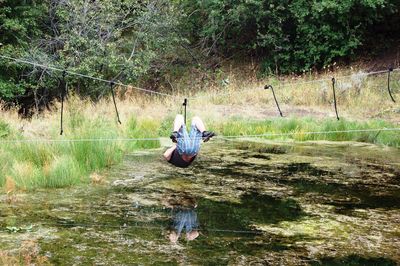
256	203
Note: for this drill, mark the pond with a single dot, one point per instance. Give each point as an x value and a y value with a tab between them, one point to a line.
241	203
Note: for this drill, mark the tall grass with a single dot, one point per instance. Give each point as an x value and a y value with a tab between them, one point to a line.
236	112
299	129
146	128
33	165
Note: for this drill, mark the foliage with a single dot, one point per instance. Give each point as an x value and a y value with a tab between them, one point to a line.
134	40
289	35
111	39
20	23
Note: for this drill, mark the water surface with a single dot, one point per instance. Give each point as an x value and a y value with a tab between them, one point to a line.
241	203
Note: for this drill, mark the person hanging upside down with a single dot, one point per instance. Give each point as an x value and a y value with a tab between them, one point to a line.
186	145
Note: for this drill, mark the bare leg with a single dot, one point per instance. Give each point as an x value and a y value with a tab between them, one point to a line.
199	124
179	122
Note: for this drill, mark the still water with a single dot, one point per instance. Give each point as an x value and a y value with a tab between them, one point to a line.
241	203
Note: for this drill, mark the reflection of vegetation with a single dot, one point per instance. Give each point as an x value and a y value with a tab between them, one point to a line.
261	148
354	260
355	195
253	208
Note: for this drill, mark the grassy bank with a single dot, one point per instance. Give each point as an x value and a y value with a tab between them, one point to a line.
29	165
241	109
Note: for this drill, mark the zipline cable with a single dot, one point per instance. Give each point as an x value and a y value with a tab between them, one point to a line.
217	137
127	226
174	96
83	75
296	83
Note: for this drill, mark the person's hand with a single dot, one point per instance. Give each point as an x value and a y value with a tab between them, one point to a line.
207	135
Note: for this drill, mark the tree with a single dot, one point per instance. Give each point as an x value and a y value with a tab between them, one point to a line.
111	39
292	35
21	22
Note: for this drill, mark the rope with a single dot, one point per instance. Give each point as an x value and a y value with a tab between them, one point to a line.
174	96
295	83
83	75
276	101
125	226
218	137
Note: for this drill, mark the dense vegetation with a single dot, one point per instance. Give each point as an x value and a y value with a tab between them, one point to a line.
36	165
290	35
135	40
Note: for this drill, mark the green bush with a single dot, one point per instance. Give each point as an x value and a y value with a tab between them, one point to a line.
291	36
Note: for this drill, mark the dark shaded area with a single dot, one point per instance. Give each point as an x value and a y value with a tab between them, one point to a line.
253	208
354	260
343	196
295	168
304	178
262	148
260	156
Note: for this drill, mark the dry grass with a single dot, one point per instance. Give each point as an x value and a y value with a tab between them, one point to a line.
97	179
236	106
358	96
28	254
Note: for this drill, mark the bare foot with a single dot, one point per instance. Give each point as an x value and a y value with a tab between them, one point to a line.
173	237
192	235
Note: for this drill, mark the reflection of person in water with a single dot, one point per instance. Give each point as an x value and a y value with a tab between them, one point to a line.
184	218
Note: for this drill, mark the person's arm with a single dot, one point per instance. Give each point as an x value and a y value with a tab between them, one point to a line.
168	153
